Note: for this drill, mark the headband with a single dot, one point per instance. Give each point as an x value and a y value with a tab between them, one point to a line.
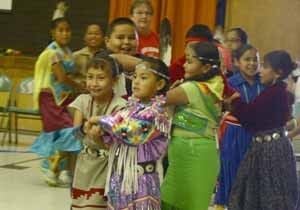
143	66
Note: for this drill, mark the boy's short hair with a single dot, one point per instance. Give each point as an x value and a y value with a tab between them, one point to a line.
117	22
199	31
102	60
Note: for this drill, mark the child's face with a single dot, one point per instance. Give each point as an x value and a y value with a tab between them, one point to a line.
62	33
192	66
248	63
122	40
233	41
145	84
99	82
267	74
142	16
93	36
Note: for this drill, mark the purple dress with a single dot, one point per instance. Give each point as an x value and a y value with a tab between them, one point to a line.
138	138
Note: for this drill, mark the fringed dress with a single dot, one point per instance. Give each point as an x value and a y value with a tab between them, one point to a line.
138	138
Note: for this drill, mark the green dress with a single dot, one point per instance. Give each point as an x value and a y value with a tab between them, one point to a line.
192	153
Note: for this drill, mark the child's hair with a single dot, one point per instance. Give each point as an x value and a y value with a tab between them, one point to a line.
280	60
137	3
199	31
96	24
104	61
238	53
207	53
117	22
56	21
160	69
241	33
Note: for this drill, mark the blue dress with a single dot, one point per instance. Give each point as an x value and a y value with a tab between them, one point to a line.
235	141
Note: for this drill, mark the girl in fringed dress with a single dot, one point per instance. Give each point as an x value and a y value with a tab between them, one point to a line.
137	137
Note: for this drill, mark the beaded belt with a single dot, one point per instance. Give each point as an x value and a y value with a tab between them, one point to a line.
269	135
146	167
95	152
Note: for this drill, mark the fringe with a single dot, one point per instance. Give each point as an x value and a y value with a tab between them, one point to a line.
146	203
125	158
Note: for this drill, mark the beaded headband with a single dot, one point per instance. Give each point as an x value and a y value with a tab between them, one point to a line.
210	60
143	66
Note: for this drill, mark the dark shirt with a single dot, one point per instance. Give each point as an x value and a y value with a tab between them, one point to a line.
267	111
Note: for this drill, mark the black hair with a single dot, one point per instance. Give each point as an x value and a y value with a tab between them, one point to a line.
117	22
207	53
56	21
199	30
280	60
238	53
241	33
161	68
102	60
96	24
137	3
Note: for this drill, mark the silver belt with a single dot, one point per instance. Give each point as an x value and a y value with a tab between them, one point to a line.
146	168
269	136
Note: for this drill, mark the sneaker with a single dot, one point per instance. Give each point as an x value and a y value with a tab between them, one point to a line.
65	178
50	178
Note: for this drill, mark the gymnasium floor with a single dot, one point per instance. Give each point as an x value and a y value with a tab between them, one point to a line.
21	183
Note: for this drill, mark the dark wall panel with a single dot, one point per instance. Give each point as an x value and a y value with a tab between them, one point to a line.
26	27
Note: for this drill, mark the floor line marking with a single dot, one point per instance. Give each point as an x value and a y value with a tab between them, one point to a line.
20	162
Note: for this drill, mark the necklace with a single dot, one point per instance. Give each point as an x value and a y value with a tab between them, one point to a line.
104	110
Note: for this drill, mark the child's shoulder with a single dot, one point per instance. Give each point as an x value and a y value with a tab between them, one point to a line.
119	101
83	97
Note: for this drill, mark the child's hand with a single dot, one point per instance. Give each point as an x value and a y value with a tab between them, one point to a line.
94	120
95	133
227	101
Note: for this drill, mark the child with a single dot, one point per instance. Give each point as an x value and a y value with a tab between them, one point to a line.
235	38
53	91
235	140
141	13
137	138
91	166
192	153
94	40
197	33
121	38
267	177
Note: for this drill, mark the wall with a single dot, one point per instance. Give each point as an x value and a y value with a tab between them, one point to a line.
271	24
26	27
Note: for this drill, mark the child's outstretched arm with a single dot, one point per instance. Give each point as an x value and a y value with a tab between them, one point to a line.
62	77
176	96
127	61
77	118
